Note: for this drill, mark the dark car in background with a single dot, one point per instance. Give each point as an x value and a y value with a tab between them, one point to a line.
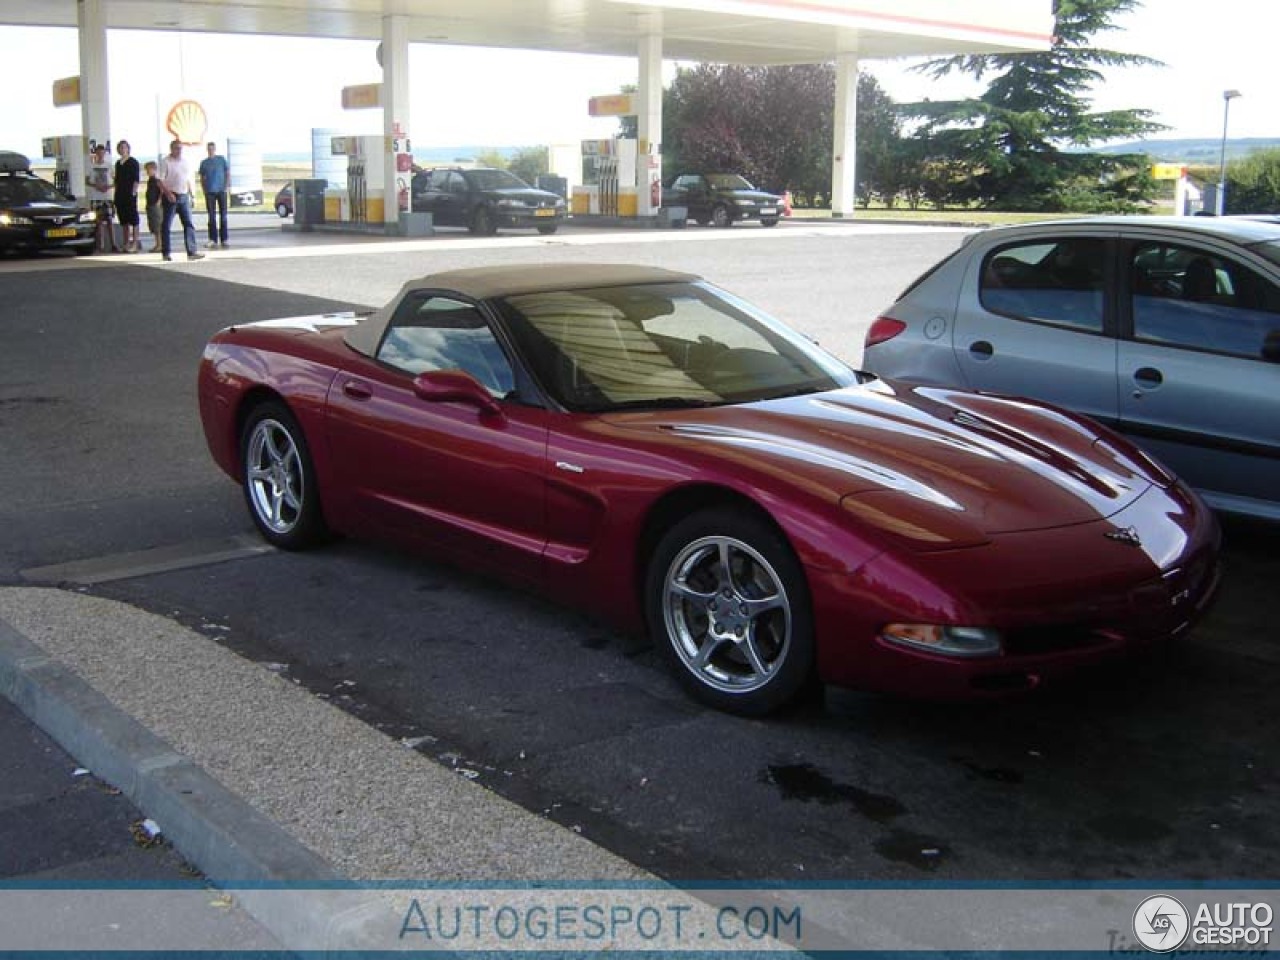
284	200
1165	328
484	200
722	199
35	216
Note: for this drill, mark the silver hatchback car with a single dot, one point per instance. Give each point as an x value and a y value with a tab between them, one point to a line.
1167	329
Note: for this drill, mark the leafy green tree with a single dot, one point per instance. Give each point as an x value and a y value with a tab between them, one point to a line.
1013	139
491	158
774	125
1253	183
528	163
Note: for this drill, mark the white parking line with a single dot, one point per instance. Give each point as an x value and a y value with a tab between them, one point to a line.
141	563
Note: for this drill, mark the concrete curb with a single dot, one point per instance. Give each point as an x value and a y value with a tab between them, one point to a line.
229	840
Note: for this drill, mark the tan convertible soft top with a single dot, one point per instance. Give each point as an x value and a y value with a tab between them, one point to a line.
480	283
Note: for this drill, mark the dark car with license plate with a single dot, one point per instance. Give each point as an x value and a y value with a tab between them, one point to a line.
34	215
484	200
722	199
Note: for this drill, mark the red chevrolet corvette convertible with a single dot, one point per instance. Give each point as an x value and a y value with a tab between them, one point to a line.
638	443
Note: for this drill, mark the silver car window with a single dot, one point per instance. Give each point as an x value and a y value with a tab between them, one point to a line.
1054	281
1193	298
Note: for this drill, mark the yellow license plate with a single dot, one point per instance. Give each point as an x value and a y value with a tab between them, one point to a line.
545	212
61	232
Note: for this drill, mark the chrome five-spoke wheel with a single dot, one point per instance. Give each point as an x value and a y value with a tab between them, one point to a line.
727	601
274	473
278	479
727	614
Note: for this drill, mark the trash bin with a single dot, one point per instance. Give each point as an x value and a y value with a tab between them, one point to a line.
308	201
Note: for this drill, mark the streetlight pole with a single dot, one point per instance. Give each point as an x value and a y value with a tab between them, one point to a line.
1220	202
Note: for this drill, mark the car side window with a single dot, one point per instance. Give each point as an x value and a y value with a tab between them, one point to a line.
439	333
1059	282
1190	297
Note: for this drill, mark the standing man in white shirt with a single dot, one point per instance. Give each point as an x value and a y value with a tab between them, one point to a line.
175	194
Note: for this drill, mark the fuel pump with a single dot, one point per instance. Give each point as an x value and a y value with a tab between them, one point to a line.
365	177
608	178
71	157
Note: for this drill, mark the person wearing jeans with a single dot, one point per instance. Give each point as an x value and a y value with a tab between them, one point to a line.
175	194
215	180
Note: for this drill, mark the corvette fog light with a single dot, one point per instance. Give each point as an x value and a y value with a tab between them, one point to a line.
946	640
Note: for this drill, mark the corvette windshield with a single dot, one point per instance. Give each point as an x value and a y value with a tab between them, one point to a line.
663	345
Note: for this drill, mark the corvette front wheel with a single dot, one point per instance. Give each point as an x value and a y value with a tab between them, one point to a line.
279	480
727	601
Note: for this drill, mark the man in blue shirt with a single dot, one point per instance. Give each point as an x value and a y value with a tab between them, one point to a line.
215	179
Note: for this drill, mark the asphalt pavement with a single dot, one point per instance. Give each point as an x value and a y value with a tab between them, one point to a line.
356	713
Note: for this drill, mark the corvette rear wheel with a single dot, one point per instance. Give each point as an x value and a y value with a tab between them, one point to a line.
279	480
727	602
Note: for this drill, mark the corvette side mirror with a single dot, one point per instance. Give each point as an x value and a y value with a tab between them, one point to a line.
439	386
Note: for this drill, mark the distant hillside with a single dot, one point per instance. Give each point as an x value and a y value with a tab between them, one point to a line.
424	156
1201	151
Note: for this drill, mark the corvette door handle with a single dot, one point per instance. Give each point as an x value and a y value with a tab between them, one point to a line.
357	390
981	350
1148	377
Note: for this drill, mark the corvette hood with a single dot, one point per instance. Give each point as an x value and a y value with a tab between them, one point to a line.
937	466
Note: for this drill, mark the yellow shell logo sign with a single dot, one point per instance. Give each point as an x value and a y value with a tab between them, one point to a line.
187	122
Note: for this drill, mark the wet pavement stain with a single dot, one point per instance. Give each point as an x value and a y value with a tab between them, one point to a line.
803	781
915	849
1130	829
998	774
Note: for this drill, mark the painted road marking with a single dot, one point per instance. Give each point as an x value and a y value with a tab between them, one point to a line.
143	563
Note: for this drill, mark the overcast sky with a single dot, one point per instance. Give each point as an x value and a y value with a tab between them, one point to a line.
275	90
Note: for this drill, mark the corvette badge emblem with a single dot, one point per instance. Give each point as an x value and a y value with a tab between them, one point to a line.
1126	535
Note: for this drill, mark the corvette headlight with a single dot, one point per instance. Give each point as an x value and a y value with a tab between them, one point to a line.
946	640
13	220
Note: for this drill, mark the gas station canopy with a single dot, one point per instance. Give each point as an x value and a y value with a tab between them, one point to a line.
715	31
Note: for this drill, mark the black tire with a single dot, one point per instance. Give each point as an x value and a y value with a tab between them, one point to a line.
768	221
482	224
278	479
282	210
546	229
721	216
776	635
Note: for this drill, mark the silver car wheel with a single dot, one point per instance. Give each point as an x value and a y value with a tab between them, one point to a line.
275	476
727	614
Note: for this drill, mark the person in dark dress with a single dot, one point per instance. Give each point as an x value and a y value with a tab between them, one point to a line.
128	176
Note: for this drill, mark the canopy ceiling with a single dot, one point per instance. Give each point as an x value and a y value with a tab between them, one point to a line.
717	31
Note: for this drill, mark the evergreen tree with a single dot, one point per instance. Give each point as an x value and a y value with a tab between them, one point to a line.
1009	143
